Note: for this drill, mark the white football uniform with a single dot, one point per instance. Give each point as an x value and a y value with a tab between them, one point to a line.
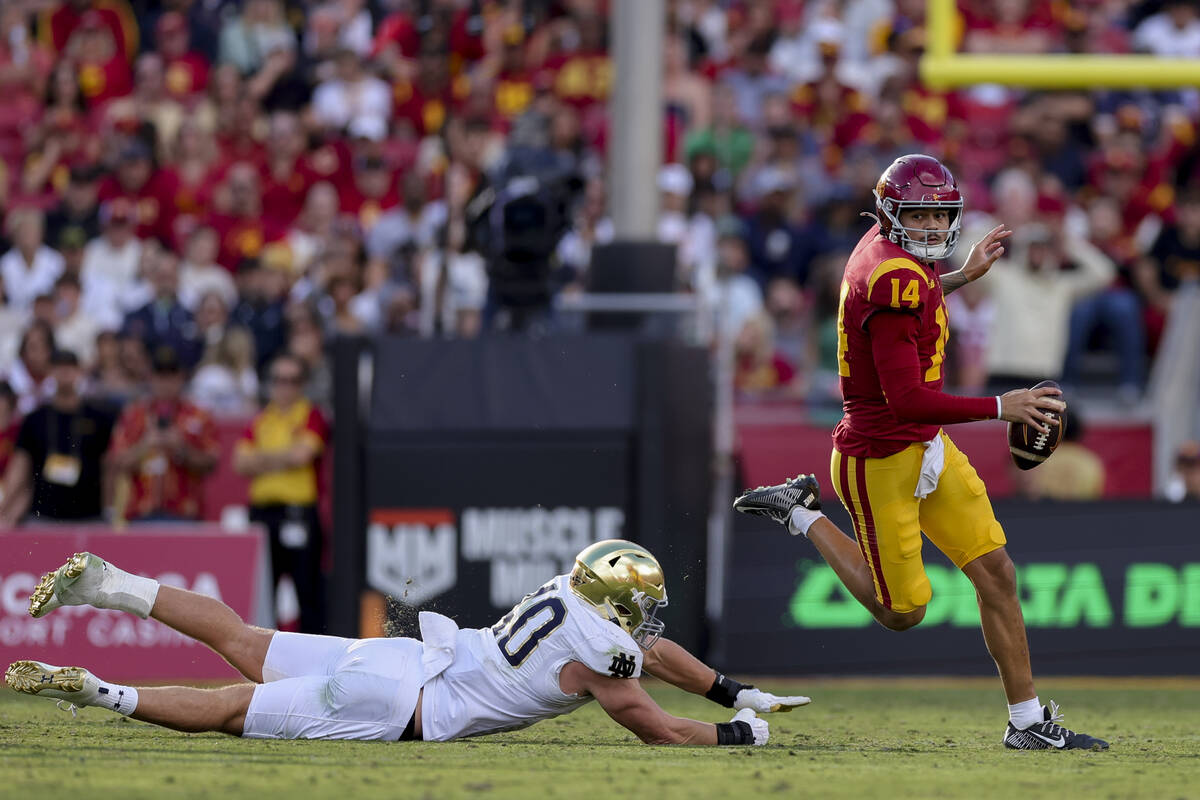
506	677
476	681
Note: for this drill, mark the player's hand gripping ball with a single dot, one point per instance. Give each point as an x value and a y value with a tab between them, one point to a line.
1029	446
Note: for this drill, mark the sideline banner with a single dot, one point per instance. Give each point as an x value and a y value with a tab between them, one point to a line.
1108	588
119	646
474	549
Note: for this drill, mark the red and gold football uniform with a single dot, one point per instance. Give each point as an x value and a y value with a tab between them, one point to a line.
892	333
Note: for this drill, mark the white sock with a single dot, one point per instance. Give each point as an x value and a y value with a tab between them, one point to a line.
114	697
131	593
801	520
1025	713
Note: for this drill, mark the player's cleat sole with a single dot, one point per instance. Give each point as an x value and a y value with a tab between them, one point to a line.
45	595
34	677
776	502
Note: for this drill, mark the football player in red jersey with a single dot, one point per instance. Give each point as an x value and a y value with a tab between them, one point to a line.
893	467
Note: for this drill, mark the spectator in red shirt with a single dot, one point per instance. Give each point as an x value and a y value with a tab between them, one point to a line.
426	102
285	177
237	116
103	69
151	191
64	112
396	39
374	192
509	76
191	169
760	368
162	448
61	137
57	26
187	70
583	72
242	227
1011	26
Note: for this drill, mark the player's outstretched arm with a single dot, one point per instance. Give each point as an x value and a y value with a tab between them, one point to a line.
894	350
628	704
670	662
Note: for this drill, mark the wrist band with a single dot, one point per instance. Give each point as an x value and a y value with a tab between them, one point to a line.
734	733
725	690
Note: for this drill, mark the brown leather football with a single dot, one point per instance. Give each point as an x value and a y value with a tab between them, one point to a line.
1029	446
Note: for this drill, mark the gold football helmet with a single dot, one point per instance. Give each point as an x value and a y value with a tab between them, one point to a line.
624	583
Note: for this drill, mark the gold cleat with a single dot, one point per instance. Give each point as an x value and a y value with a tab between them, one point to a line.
34	677
43	599
42	593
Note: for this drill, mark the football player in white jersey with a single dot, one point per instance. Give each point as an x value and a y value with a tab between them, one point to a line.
583	636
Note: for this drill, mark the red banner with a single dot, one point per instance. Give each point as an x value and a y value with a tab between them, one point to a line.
116	645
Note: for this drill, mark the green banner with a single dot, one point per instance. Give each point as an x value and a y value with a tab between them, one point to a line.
1053	595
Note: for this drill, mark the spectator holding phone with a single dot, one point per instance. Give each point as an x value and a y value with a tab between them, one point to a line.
162	449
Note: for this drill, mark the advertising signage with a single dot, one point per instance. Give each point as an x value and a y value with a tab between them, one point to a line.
471	549
1109	588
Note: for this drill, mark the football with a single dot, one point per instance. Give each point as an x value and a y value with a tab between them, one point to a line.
1029	446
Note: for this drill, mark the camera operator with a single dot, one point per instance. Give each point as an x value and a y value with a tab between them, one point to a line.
516	222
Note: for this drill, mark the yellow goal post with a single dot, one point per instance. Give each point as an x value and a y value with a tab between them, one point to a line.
942	67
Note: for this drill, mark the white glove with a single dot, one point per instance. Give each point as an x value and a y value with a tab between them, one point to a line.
757	726
763	703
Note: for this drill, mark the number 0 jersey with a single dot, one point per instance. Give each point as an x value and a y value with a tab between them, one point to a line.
506	677
882	276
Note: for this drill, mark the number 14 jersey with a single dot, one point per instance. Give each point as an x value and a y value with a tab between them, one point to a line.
882	277
506	677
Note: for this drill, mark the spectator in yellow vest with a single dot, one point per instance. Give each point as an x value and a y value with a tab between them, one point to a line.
280	452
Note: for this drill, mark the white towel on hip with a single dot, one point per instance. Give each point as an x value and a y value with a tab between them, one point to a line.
932	464
440	637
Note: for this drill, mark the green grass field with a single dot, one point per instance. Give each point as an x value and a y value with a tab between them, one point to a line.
859	739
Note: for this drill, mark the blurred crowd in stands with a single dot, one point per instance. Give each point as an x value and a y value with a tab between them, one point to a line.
198	195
